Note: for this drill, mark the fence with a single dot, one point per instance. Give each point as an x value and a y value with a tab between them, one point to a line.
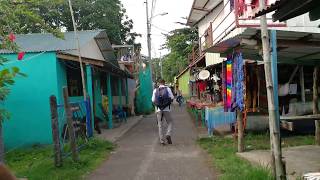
81	110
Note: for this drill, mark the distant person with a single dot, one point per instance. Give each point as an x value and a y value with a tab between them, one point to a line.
162	98
179	98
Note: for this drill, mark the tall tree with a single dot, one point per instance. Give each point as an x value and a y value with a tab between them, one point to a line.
180	43
89	15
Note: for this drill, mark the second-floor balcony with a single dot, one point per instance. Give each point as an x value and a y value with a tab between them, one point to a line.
229	17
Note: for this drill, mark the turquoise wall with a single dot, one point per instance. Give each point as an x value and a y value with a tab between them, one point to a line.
144	94
28	102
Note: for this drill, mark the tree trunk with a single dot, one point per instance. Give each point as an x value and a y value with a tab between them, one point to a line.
315	103
240	131
1	144
55	131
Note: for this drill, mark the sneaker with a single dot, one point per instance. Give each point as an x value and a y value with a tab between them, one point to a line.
162	144
169	139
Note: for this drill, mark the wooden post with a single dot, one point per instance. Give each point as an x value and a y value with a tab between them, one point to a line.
240	131
55	132
274	130
90	92
72	137
315	102
303	93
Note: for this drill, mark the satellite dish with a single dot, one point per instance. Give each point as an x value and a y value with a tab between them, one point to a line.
204	74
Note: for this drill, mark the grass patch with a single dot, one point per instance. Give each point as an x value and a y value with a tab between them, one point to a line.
262	141
223	151
37	163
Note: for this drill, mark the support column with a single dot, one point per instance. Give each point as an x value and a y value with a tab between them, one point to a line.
127	93
90	90
109	94
120	92
315	103
303	92
274	72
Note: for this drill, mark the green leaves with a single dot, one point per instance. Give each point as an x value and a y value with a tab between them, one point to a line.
179	42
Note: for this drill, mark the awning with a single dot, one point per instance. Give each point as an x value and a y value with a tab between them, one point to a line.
287	9
98	64
293	47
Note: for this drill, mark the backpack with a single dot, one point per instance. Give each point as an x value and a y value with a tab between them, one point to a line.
162	99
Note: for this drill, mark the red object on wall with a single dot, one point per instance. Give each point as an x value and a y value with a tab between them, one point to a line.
255	3
241	6
202	86
21	55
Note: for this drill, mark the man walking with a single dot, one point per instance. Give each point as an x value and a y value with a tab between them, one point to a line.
162	98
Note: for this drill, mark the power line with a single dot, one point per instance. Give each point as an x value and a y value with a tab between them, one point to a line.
159	28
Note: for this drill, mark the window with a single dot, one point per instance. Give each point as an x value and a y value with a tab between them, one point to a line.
74	79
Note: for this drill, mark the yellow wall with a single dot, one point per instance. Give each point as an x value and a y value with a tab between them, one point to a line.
183	81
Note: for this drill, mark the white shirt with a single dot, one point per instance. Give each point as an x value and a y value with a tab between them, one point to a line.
169	93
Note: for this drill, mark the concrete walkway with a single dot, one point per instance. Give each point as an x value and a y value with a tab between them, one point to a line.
115	134
140	157
299	160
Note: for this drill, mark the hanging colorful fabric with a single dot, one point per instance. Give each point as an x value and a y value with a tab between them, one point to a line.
229	83
224	84
21	55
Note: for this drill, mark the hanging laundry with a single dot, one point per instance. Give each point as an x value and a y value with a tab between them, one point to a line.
202	86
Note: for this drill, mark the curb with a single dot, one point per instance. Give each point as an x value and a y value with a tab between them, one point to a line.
125	131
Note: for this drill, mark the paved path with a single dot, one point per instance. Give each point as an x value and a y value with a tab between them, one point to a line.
140	157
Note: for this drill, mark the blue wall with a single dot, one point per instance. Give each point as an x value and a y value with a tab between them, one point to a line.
28	102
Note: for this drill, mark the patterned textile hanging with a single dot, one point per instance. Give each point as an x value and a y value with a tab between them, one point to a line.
239	83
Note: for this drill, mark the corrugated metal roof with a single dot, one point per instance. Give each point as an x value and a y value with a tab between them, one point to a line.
39	42
269	8
200	9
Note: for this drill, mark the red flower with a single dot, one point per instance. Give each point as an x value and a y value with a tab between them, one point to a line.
12	37
21	55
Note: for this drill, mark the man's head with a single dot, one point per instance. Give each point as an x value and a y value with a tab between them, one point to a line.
162	82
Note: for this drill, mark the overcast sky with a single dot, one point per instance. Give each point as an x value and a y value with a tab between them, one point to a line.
176	9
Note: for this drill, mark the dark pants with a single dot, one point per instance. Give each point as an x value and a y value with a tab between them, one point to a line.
284	103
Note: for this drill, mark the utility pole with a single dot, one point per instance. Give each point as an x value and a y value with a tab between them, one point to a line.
161	66
276	153
79	52
149	37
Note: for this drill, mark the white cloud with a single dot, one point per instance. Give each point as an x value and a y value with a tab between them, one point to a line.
176	9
